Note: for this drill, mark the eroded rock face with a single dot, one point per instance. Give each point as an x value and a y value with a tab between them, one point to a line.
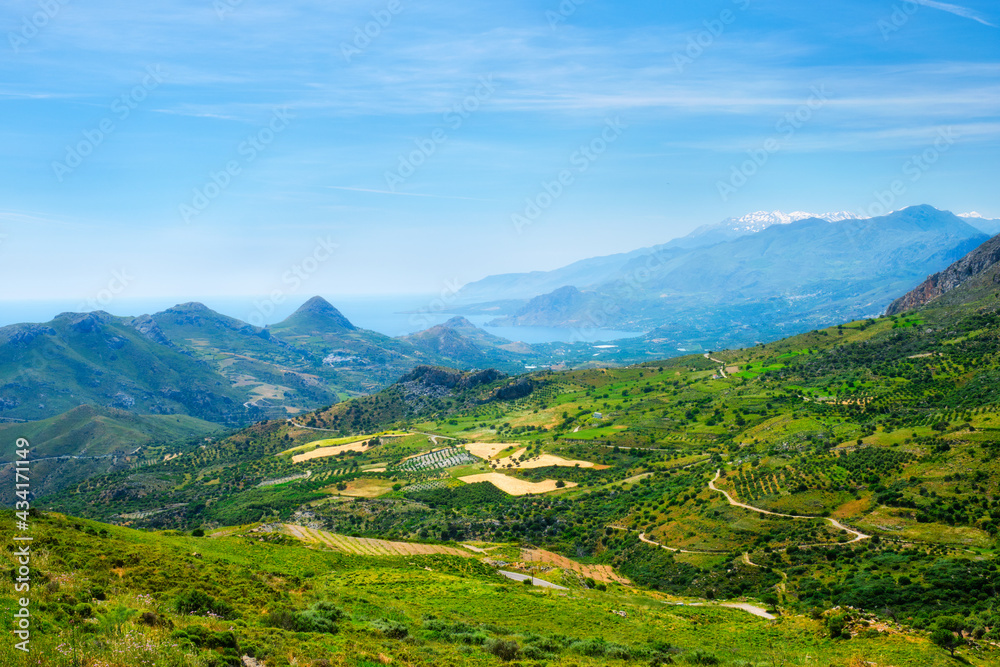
980	260
517	389
449	378
24	334
148	327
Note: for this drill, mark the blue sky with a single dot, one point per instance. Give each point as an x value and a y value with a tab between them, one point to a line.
116	116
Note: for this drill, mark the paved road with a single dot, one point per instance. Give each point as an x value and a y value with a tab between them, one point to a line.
537	582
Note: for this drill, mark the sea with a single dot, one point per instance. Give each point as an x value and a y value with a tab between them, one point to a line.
392	315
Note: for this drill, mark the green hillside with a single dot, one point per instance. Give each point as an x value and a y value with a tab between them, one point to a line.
844	478
89	440
106	595
95	358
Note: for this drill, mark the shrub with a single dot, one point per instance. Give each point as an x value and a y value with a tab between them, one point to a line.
505	649
114	619
835	624
313	621
281	618
320	617
202	604
701	658
391	629
618	652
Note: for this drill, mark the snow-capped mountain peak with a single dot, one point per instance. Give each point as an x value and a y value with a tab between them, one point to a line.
761	220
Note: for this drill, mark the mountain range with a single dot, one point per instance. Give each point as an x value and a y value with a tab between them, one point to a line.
984	224
745	280
827	498
191	360
742	281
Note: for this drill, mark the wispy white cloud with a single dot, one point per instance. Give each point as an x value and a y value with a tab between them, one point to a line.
957	10
403	194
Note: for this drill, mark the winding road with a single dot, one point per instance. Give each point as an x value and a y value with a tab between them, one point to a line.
311	428
722	364
858	535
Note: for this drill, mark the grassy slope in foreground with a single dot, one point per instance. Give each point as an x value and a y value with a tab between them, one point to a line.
105	595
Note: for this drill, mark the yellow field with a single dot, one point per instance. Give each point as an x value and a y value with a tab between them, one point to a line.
514	486
542	461
597	572
362	488
487	450
322	452
369	547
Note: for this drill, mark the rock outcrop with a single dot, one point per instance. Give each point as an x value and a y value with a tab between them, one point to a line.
977	262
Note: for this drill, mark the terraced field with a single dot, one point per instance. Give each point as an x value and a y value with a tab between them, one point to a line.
442	458
364	546
596	572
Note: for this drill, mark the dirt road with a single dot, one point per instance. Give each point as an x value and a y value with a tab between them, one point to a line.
858	535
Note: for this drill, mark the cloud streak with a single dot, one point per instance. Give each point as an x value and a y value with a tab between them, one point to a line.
957	10
404	194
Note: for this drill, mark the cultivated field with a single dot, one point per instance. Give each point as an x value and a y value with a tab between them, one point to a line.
596	572
513	486
363	488
322	452
442	458
487	450
364	546
543	461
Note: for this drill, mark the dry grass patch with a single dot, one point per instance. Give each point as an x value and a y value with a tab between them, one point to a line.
362	488
596	572
514	486
366	546
487	450
322	452
543	461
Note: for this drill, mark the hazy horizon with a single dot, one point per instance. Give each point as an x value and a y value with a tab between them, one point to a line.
213	148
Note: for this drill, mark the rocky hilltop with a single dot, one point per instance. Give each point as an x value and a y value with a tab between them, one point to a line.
976	263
